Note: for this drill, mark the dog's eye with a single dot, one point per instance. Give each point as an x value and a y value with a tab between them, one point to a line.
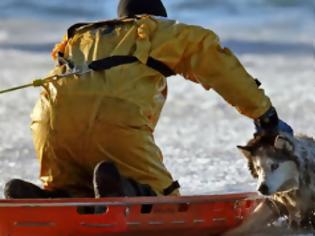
274	167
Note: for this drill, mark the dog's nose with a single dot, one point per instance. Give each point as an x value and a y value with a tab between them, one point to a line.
264	189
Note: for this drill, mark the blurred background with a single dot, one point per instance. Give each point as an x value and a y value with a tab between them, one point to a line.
198	132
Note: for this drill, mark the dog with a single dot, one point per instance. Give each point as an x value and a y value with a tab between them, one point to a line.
284	166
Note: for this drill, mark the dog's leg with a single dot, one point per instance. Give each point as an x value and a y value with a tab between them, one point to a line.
261	216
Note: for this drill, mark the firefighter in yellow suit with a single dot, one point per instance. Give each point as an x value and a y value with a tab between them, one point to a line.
111	114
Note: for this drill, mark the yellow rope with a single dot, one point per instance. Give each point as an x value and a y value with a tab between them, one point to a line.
16	88
37	82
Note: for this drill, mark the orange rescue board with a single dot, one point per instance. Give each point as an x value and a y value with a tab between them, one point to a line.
154	216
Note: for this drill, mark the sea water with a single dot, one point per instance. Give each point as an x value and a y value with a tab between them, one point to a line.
198	131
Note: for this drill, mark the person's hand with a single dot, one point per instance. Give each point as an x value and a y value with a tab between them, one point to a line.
269	123
284	127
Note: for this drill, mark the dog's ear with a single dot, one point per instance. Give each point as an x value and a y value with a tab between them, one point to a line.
252	169
283	142
246	150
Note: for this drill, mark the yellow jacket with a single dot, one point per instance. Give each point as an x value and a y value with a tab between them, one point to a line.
81	120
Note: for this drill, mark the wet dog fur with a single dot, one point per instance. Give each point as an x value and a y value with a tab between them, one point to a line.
284	167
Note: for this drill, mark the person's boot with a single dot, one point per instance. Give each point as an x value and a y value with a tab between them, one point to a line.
19	189
108	182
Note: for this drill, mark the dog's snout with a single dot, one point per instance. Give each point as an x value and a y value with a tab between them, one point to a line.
263	189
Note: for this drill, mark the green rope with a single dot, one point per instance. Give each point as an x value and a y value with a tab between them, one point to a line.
41	82
35	83
16	88
38	82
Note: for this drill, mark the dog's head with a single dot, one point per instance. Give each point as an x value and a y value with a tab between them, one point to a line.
271	160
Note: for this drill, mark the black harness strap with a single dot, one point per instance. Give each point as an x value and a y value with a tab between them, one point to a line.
113	61
109	62
169	190
72	30
258	83
160	66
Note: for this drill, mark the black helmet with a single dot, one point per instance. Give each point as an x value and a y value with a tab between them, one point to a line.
130	8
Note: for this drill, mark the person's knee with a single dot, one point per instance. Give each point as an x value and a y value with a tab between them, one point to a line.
12	189
108	182
19	189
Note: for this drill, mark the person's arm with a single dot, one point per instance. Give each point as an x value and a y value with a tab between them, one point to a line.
202	59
